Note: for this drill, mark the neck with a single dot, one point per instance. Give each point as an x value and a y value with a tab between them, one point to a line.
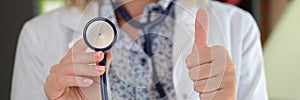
134	8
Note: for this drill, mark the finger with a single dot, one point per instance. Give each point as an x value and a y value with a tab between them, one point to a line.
79	46
209	95
202	72
201	29
201	38
222	94
208	85
88	58
226	91
58	83
80	70
96	79
68	81
197	58
213	87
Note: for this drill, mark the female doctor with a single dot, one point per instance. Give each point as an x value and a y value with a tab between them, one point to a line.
215	55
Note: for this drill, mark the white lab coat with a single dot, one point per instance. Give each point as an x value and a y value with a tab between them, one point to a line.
44	40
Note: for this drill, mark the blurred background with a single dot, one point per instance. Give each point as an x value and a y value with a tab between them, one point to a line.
278	21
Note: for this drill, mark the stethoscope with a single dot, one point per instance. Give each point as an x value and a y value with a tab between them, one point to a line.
100	35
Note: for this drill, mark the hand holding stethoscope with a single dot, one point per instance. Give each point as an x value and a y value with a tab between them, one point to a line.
74	73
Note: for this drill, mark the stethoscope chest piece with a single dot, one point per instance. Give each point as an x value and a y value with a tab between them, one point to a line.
100	34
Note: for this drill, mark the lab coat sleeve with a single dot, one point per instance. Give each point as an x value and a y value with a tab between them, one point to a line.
27	83
252	84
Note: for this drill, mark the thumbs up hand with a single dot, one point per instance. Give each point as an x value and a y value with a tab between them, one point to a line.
210	68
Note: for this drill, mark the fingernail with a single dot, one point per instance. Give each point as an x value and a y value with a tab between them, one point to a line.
97	55
100	69
88	81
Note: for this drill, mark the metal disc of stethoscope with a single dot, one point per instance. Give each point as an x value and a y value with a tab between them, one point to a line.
100	34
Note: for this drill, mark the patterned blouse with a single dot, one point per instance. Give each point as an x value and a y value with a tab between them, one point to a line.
131	73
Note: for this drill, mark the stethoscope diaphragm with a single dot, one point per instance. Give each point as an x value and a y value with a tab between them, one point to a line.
100	34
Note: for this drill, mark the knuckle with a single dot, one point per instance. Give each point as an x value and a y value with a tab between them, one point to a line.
230	66
191	75
191	60
197	87
65	59
194	73
230	81
187	61
217	47
53	68
48	79
221	49
211	48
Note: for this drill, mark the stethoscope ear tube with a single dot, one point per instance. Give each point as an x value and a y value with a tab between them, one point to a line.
148	25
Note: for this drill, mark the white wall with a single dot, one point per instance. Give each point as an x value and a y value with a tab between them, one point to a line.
282	56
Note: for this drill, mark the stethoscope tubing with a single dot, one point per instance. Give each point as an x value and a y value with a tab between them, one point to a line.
144	26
